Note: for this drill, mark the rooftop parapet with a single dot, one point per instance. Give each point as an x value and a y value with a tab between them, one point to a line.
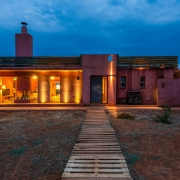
128	62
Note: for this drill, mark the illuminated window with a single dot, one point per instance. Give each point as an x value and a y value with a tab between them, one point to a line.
123	82
142	82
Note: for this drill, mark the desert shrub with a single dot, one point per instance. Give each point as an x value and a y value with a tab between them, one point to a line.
18	151
165	117
131	158
125	116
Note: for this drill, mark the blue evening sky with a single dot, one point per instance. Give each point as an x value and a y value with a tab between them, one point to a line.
74	27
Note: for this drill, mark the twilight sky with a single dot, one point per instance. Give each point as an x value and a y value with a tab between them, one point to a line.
71	28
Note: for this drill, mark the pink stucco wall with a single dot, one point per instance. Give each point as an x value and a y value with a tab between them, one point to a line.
98	65
149	93
177	74
168	92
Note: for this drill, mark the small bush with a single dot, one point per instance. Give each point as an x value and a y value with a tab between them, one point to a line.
125	116
131	158
18	151
165	117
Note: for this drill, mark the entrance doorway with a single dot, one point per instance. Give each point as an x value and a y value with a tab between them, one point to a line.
98	89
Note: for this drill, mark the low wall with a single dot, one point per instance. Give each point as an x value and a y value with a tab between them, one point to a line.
168	92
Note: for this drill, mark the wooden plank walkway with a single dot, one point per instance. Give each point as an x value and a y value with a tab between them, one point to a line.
96	154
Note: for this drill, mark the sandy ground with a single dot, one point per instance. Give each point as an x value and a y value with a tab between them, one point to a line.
37	144
152	149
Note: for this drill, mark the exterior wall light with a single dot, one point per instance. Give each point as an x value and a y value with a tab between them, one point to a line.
34	77
78	78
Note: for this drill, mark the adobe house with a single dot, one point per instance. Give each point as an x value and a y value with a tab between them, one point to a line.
87	79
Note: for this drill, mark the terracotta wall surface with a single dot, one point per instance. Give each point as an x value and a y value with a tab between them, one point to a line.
168	72
70	87
0	90
98	65
149	93
24	45
168	92
177	74
23	84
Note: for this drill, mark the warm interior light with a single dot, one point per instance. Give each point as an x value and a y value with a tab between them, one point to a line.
3	87
52	77
15	78
57	86
34	77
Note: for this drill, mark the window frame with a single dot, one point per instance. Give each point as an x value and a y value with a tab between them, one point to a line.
121	82
142	82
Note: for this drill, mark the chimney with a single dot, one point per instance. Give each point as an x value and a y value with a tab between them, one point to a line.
23	28
23	42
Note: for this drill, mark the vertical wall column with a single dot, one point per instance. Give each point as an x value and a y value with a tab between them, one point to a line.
43	89
112	90
1	90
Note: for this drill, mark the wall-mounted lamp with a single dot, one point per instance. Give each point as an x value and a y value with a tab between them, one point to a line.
15	78
34	77
162	66
52	77
78	78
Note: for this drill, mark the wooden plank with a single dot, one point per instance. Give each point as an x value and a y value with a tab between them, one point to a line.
97	137
104	149
120	170
99	144
113	166
97	152
97	160
99	156
95	146
88	176
97	178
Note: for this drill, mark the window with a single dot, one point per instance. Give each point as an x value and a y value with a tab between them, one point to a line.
142	82
123	82
161	77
